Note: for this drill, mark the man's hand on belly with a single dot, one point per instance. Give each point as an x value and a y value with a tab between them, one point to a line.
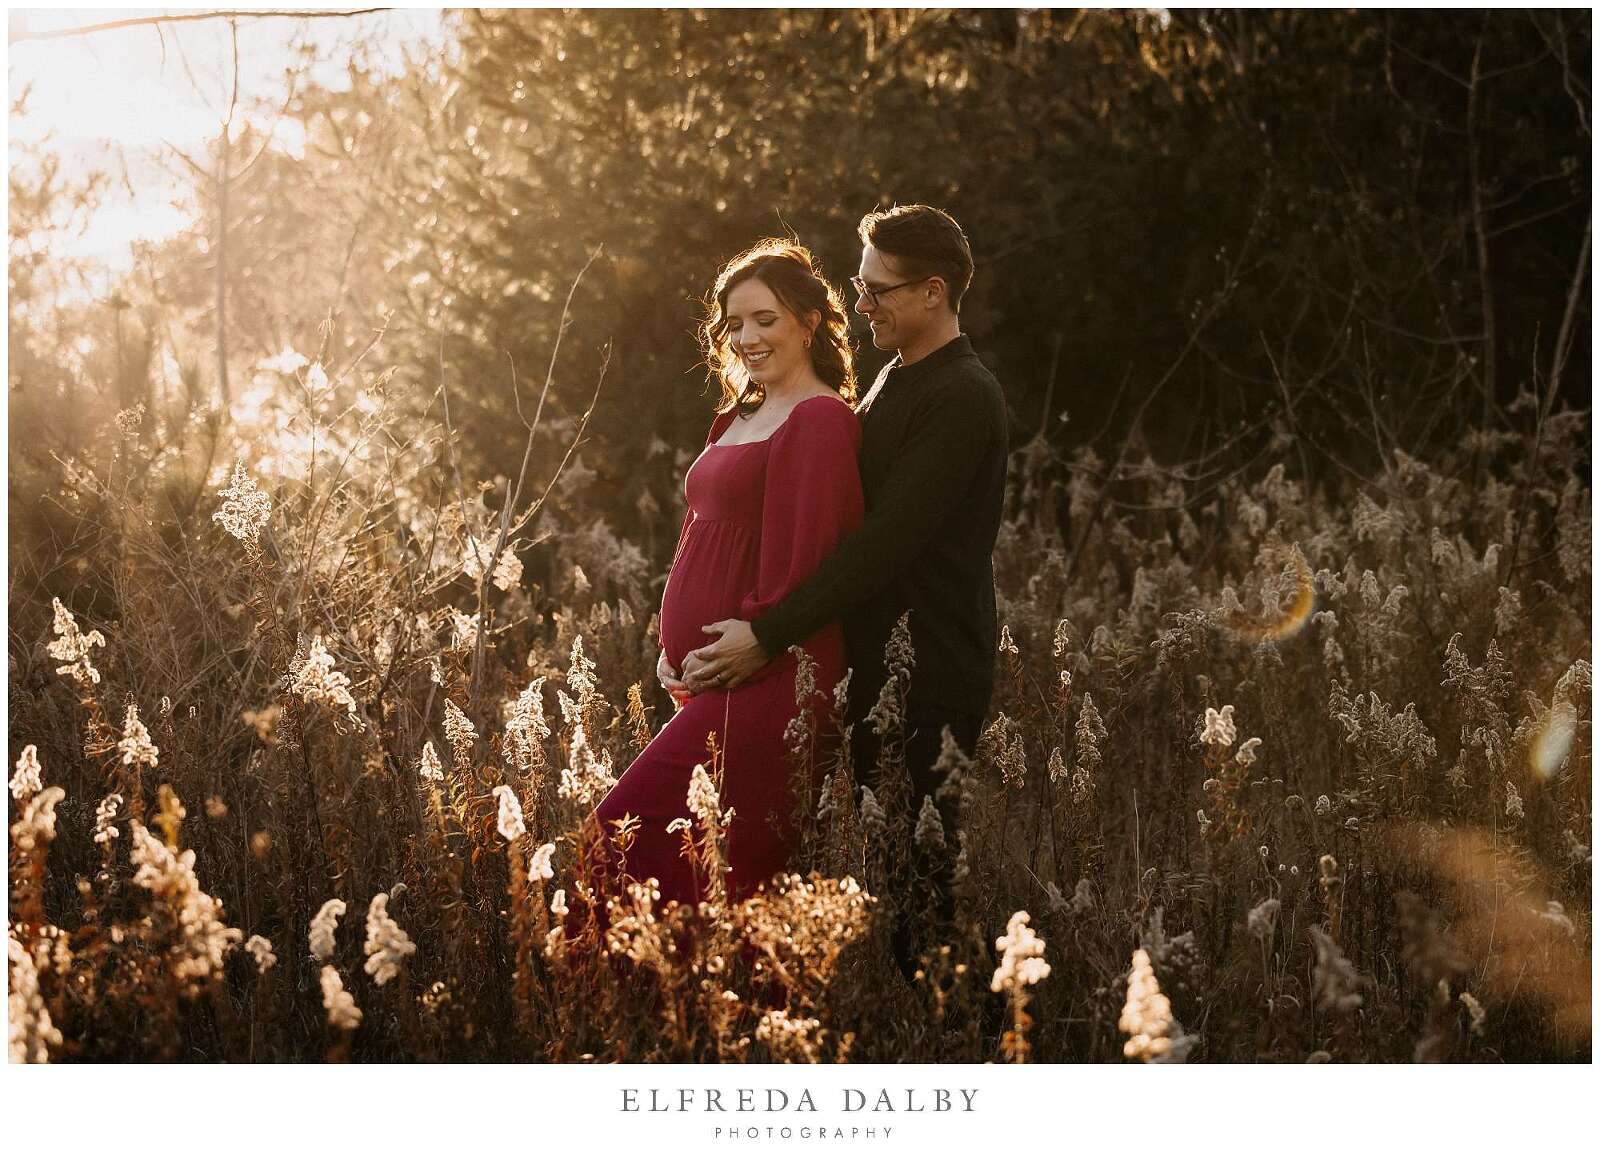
730	660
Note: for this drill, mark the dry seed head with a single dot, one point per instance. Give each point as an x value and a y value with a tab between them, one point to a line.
260	949
884	716
171	816
929	834
135	745
429	767
205	940
1146	1015
245	509
458	730
961	870
793	1039
1217	728
105	813
1089	733
899	655
26	780
539	865
586	778
509	822
507	569
324	924
343	1015
571	710
265	722
841	692
805	677
874	821
1014	761
387	944
581	673
1021	956
32	1032
129	420
1262	920
463	629
1335	981
314	679
952	763
1083	897
37	826
73	647
703	799
526	725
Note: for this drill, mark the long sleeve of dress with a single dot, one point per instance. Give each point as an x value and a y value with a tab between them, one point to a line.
812	500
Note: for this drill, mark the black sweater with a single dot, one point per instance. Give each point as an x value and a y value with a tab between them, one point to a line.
933	467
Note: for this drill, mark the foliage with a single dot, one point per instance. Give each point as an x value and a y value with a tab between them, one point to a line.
1290	754
1332	786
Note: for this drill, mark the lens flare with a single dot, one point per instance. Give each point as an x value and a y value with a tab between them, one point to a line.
1293	619
1519	942
1548	749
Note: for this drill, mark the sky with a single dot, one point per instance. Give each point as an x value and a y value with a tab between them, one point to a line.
121	100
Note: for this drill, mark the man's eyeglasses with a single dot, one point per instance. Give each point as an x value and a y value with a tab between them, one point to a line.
870	294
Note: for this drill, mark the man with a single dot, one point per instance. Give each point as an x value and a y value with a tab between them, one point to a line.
933	462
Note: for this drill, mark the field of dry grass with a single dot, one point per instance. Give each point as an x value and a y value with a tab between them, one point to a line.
1275	774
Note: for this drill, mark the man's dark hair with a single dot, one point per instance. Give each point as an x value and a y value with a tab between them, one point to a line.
924	242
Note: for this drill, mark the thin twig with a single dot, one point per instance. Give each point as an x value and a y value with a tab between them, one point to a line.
514	495
190	17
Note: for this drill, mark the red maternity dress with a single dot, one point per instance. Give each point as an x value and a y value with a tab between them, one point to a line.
761	517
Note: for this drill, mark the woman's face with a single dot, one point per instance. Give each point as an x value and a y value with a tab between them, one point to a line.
769	339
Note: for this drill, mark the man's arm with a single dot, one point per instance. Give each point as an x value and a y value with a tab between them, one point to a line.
928	477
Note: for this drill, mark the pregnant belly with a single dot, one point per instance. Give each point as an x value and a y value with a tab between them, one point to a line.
713	573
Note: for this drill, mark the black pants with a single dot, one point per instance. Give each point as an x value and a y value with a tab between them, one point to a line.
923	741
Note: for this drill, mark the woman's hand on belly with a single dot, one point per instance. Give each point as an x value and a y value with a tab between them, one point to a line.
671	681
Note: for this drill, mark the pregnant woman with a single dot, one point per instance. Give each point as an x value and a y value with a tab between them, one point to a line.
774	491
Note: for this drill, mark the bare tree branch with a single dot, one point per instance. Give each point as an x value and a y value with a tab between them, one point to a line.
1558	366
190	17
1480	227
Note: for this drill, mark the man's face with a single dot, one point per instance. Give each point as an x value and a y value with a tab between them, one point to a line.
896	317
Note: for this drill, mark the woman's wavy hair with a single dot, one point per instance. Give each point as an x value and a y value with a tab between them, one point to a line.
791	272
